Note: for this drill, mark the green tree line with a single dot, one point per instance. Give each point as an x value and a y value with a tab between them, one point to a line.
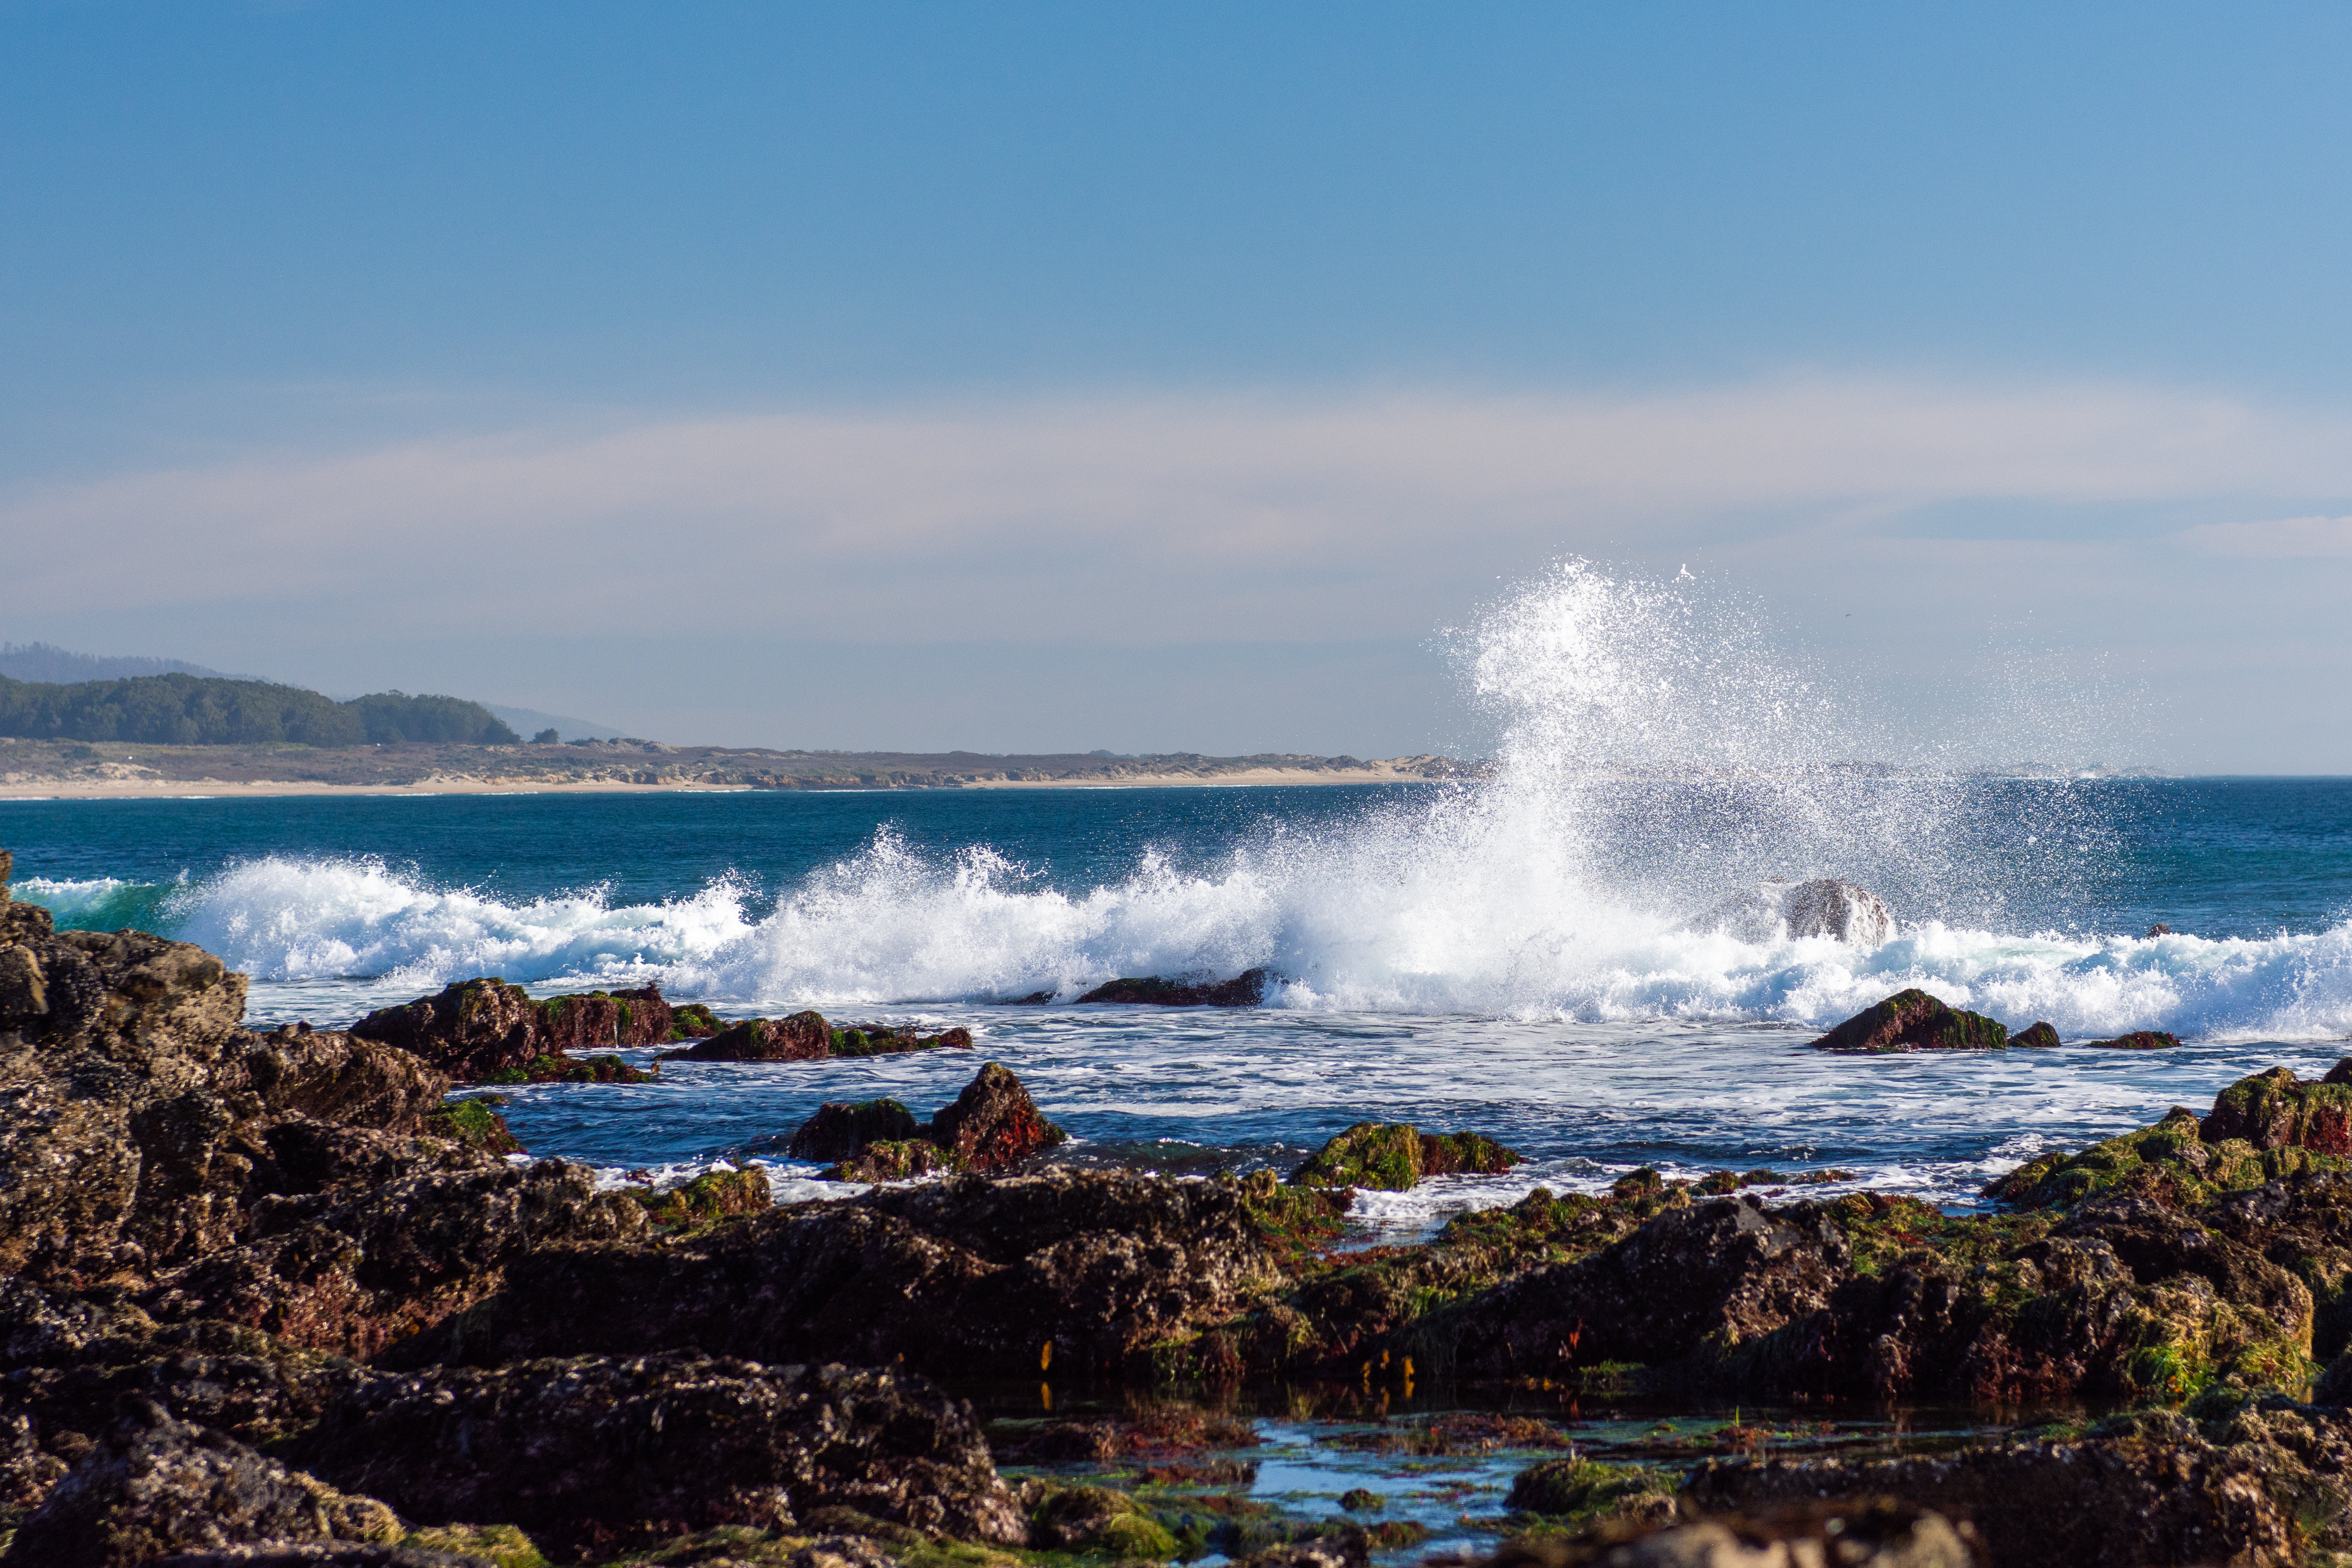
194	711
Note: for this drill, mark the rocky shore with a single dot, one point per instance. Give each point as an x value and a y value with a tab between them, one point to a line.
278	1298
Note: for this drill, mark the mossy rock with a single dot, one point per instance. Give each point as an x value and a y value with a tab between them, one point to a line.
1579	1489
695	1022
1392	1156
500	1545
710	1198
1360	1499
1101	1521
2179	1157
473	1123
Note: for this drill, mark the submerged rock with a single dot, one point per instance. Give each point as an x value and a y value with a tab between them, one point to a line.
594	1456
1246	989
487	1031
1914	1021
1394	1157
2138	1040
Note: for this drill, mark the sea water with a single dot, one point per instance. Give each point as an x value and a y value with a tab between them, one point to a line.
1526	955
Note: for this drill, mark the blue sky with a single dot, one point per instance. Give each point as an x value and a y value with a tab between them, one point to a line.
1028	376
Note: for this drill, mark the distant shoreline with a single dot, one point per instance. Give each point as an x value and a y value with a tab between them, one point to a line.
56	771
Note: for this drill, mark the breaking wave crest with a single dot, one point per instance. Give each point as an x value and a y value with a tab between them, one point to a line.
1651	757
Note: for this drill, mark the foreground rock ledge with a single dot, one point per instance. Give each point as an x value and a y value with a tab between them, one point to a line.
259	1271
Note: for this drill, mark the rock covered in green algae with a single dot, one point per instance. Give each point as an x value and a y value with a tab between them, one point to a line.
2138	1040
1585	1489
894	1160
1914	1021
2263	1128
475	1122
710	1198
2042	1037
1394	1156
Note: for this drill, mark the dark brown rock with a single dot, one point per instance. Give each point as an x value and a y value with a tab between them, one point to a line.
994	1124
485	1030
1914	1021
1725	1270
592	1457
2275	1109
2138	1040
1246	989
323	1554
803	1037
2039	1037
154	1485
351	1273
841	1130
966	1277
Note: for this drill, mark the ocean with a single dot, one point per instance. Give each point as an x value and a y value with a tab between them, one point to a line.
1521	962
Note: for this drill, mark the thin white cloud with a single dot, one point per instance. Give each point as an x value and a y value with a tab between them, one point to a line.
1135	518
2286	538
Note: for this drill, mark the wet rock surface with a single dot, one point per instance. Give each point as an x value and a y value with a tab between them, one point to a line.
1246	989
1914	1021
806	1036
487	1031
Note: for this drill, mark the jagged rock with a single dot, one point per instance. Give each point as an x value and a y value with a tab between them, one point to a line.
154	1485
1825	906
803	1037
994	1124
140	1126
350	1273
840	1129
1246	989
594	1456
970	1277
1914	1021
1725	1269
2275	1109
487	1031
1394	1157
2042	1037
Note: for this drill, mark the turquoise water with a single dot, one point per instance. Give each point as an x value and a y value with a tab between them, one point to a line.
1518	960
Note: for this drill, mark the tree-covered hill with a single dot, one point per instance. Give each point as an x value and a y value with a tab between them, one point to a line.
195	711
